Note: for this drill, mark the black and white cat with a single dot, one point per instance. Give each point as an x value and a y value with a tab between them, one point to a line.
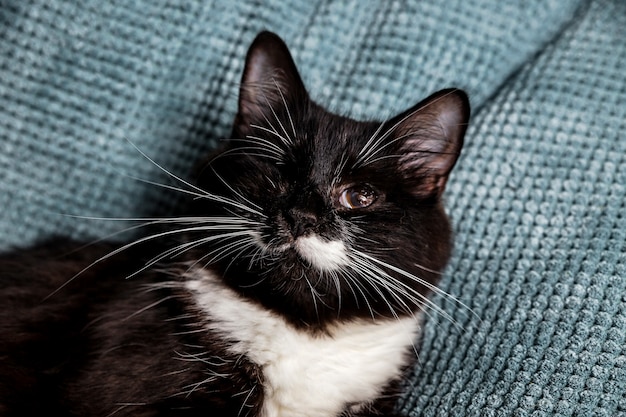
294	284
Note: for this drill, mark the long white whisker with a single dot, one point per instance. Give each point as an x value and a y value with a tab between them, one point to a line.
200	193
185	247
335	278
149	306
371	149
237	192
224	251
245	401
293	128
376	281
164	220
126	247
246	151
227	250
289	141
426	284
177	178
314	295
339	169
123	406
262	143
165	186
369	142
272	131
239	250
408	290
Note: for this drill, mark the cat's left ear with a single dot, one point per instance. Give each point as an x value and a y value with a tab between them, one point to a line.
270	82
431	137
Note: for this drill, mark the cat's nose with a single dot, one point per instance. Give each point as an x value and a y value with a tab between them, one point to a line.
301	221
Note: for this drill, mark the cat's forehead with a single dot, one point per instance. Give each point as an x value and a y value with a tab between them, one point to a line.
309	144
328	144
328	134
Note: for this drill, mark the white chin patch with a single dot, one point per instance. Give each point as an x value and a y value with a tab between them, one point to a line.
326	255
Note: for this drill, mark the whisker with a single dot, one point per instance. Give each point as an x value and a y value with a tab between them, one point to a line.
126	247
165	186
123	406
191	388
243	247
271	131
314	294
380	158
161	220
426	284
394	287
245	401
262	143
335	278
372	146
167	172
149	306
350	278
339	169
289	141
244	151
199	192
369	142
237	192
152	221
423	300
377	283
378	147
225	251
282	97
185	247
196	357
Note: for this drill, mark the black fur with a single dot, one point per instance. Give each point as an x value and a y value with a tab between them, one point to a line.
101	344
94	347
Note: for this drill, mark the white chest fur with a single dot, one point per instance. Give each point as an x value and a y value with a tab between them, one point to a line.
307	375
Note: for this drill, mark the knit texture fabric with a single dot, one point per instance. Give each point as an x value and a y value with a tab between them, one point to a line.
96	96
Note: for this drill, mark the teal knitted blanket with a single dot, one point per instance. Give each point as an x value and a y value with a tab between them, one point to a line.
538	198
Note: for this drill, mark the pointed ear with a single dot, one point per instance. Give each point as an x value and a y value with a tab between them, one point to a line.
270	81
431	136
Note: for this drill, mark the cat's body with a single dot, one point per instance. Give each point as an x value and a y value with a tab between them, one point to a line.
292	286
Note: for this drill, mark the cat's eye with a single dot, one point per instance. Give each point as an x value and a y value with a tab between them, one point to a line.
360	196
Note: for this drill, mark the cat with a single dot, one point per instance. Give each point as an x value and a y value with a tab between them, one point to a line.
294	284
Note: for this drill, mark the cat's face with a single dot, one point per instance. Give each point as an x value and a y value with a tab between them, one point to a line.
325	217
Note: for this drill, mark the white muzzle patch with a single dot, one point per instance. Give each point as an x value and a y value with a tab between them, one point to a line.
326	255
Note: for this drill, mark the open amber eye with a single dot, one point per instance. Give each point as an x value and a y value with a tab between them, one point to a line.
360	196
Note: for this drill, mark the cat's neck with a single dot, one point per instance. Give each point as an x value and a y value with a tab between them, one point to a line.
297	362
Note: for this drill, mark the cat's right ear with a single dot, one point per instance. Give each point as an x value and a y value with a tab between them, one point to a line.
430	137
270	82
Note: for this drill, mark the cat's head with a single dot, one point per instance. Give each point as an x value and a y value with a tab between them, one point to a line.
326	217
